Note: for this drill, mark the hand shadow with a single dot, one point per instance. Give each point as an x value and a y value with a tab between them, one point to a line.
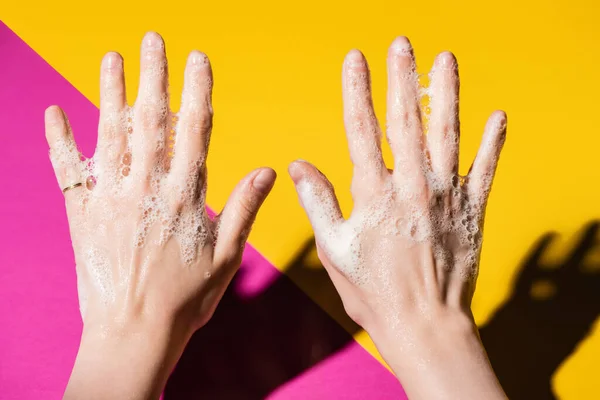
252	346
552	308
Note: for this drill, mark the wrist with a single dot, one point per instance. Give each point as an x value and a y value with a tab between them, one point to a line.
438	355
418	332
136	358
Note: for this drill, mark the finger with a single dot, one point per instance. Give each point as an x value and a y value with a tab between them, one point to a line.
585	245
239	213
318	199
112	139
536	254
362	128
65	157
151	106
533	266
193	131
404	130
443	133
484	167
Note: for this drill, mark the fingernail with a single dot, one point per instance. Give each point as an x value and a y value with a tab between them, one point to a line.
445	60
111	61
501	116
264	180
152	40
53	115
297	171
197	59
501	119
401	45
354	58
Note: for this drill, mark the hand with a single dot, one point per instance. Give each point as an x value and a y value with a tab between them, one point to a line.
150	262
405	263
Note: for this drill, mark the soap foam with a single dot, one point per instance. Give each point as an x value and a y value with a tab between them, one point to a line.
101	212
429	208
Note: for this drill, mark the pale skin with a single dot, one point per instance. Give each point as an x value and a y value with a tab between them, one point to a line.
405	262
152	266
143	292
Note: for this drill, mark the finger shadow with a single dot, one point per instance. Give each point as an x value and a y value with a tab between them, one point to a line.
253	345
553	307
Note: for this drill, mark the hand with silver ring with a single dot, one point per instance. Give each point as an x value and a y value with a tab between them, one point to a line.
151	265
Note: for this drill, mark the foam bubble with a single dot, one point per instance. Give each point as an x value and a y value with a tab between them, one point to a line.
109	230
399	217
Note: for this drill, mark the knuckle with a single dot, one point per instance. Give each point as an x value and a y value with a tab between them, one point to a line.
151	119
247	205
153	114
109	127
205	121
405	115
177	204
200	120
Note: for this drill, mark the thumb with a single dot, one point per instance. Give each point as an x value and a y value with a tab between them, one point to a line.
237	217
318	199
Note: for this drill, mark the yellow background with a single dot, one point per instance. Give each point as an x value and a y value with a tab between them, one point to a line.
277	97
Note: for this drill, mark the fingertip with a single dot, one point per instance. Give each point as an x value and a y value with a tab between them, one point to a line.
496	125
298	170
54	119
316	195
446	59
400	45
198	79
53	115
355	59
197	59
264	179
500	116
153	41
483	169
111	61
